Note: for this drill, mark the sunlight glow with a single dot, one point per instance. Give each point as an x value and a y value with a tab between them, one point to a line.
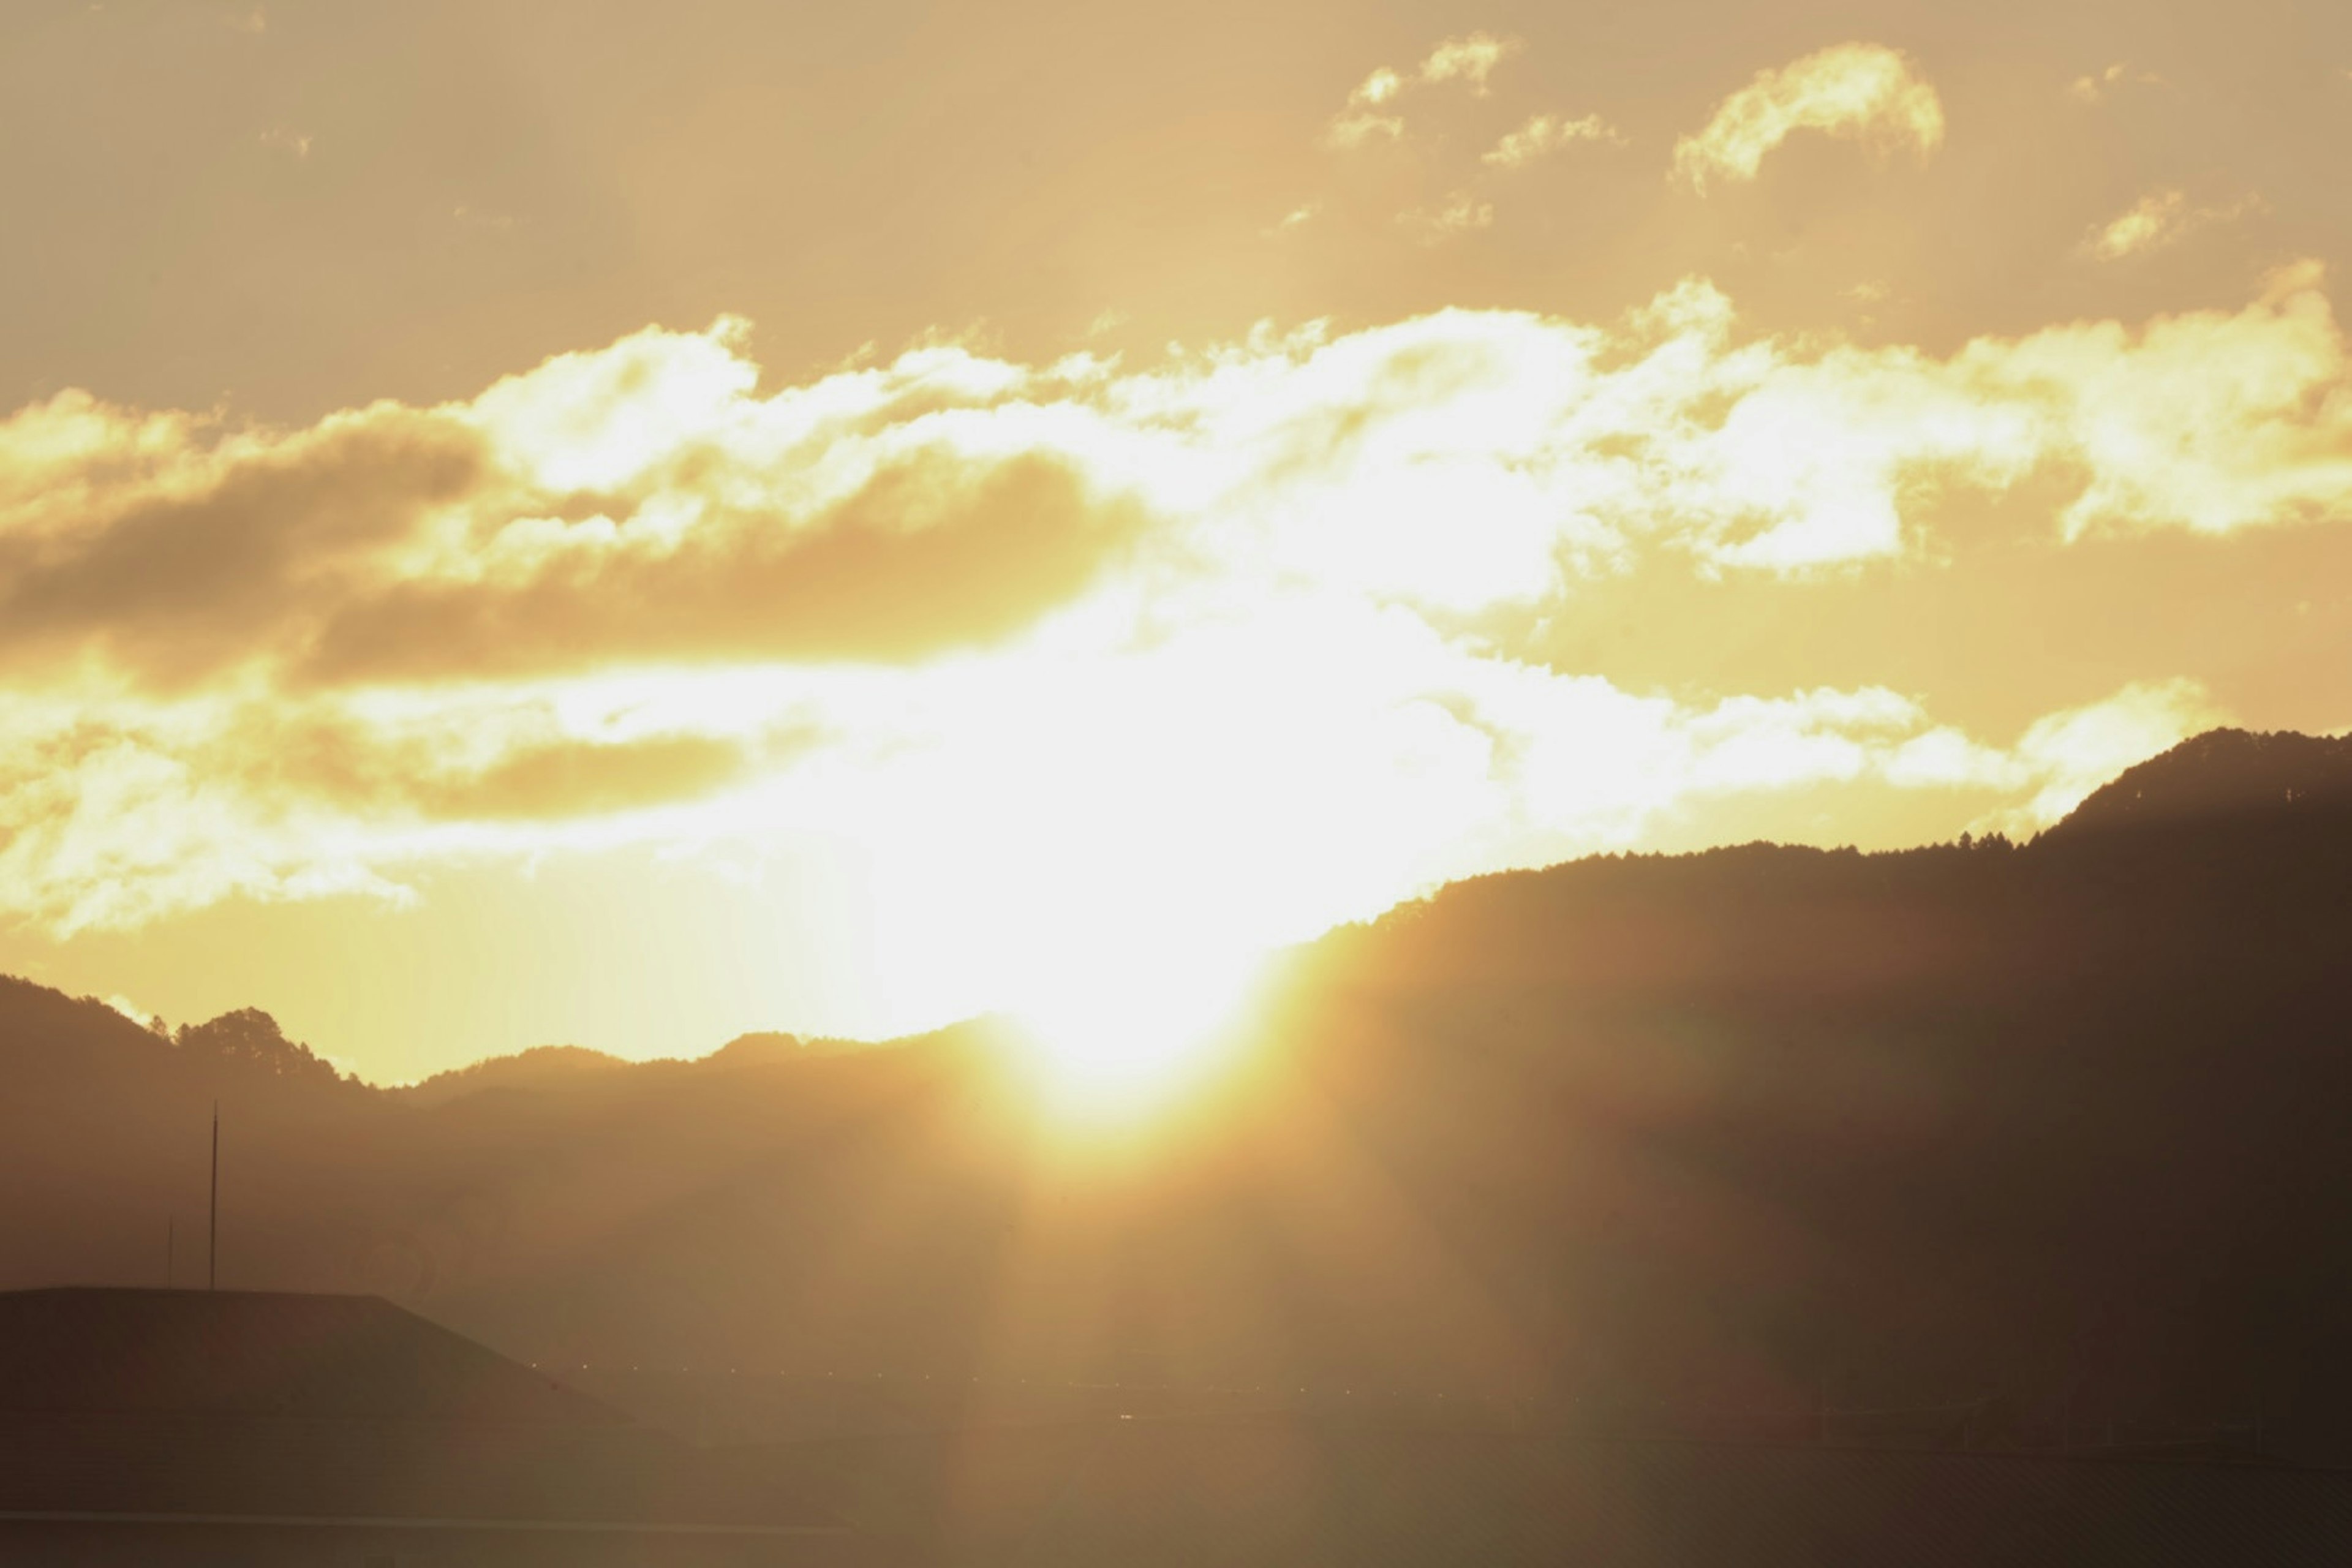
1127	1038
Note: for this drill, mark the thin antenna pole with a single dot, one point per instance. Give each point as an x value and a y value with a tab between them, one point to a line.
170	1247
212	1236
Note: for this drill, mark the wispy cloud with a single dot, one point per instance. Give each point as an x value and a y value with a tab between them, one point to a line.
2098	87
1370	114
1459	213
1861	90
1470	59
1296	218
2157	220
1543	134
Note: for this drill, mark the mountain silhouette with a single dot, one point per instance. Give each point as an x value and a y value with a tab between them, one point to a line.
537	1068
2219	775
2054	1133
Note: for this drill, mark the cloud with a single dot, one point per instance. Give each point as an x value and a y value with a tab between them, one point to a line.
1862	90
298	143
1543	134
2063	756
517	776
1058	656
2098	87
932	551
1381	87
1296	218
1465	208
127	535
1367	116
109	823
1470	58
2157	220
1370	112
598	504
128	1009
645	504
2070	753
1461	212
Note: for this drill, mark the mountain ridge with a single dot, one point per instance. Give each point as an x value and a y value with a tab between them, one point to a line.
2063	1122
2217	774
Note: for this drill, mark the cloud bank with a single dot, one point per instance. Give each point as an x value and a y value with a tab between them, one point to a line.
1060	655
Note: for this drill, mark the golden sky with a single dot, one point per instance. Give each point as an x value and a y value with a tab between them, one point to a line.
626	524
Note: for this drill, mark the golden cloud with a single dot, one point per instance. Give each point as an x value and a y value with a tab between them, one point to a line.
930	552
2159	219
1543	134
1370	112
1862	91
1471	58
128	535
1460	212
1057	649
515	777
2095	87
596	513
1367	114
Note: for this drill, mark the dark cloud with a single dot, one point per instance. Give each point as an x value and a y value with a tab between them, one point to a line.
582	778
934	553
329	758
176	585
289	558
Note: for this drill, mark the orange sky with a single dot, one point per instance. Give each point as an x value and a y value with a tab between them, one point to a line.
571	522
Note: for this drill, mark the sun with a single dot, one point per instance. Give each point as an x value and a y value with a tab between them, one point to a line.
1124	1037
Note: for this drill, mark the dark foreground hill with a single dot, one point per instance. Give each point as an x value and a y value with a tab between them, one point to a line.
2054	1135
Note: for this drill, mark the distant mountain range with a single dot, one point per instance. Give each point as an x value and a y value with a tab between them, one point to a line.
2062	1127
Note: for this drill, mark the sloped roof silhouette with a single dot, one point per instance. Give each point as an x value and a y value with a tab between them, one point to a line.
252	1352
279	1409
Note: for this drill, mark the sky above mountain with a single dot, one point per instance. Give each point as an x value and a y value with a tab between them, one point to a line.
626	525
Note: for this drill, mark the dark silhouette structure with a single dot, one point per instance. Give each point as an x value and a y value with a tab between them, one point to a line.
165	1426
212	1223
